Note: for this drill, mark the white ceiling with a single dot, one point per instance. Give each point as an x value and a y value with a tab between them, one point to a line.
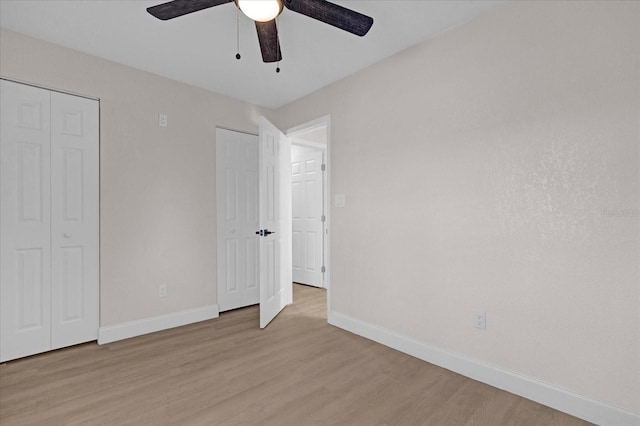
199	49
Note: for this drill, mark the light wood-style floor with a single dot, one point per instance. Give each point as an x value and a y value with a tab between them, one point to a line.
299	371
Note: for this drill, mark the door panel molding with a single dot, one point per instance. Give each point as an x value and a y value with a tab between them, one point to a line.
25	223
74	218
49	214
237	219
276	288
307	211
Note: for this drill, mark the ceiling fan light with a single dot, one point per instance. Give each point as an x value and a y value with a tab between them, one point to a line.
260	10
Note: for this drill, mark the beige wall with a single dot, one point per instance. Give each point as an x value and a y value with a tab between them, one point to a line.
477	167
157	185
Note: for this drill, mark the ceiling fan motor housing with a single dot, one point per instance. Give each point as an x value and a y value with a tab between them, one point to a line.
261	10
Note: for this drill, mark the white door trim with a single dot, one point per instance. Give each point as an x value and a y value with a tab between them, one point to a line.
316	123
308	144
236	130
51	89
324	121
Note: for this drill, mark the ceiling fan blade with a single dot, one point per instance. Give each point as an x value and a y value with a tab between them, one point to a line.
176	8
332	14
269	43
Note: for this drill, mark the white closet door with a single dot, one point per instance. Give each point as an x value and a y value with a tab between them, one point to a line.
25	221
74	219
49	291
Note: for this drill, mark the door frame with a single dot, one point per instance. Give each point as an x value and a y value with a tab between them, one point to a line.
324	121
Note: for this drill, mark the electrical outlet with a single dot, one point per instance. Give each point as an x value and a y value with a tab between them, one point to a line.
480	320
163	120
162	290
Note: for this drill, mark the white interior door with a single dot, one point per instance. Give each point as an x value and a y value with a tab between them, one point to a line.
237	219
49	270
74	220
25	247
276	290
306	195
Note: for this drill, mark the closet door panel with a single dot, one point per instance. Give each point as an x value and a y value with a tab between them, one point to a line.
25	285
74	210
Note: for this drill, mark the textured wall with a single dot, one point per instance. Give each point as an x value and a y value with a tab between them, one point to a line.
496	168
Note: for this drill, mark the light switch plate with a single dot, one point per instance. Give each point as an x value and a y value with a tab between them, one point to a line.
162	120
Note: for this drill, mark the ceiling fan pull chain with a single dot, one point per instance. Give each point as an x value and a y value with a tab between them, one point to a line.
278	41
238	33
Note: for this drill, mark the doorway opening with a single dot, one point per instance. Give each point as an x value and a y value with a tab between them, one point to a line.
239	195
310	203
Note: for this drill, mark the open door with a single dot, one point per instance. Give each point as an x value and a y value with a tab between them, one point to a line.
307	214
276	289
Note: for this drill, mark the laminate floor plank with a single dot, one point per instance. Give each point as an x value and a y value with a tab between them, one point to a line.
298	371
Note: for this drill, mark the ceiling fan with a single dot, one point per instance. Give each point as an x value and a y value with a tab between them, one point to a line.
264	13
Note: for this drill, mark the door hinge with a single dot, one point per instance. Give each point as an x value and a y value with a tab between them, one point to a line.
323	218
323	269
323	167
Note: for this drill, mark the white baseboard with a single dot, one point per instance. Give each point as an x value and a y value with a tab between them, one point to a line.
112	333
552	396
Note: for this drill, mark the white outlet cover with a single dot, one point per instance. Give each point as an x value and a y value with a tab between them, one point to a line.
162	290
163	120
340	200
480	320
